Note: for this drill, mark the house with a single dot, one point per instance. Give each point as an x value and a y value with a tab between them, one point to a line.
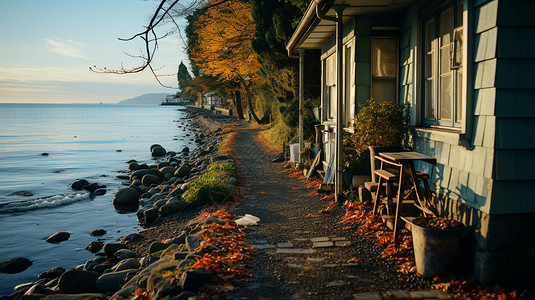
466	69
211	99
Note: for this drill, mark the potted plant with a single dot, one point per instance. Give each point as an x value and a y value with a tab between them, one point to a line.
437	245
377	124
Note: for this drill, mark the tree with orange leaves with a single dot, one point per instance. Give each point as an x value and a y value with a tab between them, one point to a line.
223	47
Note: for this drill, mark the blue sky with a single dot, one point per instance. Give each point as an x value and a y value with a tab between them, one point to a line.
47	47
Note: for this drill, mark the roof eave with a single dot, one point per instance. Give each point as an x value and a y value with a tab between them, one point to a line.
308	22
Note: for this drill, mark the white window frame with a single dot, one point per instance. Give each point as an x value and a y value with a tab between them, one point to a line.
459	32
328	89
349	83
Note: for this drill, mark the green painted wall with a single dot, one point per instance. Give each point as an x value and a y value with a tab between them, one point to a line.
478	170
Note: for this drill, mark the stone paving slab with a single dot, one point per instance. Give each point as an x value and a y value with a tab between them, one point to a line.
295	251
323	244
342	243
320	239
264	246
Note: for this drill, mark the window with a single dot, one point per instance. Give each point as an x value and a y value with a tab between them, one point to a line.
329	88
384	69
443	67
349	83
330	96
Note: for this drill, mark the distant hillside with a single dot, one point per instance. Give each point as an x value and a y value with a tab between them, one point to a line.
152	99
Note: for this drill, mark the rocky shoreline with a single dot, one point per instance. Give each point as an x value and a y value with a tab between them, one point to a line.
159	193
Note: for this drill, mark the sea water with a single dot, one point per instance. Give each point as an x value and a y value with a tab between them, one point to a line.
88	141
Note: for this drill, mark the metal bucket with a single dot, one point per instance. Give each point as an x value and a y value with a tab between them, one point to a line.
437	252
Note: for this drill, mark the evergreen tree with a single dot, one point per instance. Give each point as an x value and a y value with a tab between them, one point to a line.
183	76
275	21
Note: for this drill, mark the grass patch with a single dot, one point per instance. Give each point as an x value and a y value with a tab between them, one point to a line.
213	187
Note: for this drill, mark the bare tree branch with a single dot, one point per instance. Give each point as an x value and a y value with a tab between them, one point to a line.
150	38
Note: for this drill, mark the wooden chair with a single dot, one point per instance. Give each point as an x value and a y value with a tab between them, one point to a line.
387	177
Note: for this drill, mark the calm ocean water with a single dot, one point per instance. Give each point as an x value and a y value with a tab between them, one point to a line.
88	141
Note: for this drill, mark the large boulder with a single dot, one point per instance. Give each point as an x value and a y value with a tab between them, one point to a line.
124	254
59	236
52	273
150	179
94	246
167	170
156	247
126	196
162	164
140	173
99	192
111	248
77	282
132	238
133	166
126	264
158	151
172	208
14	265
91	187
150	215
78	185
98	232
192	280
124	293
183	171
37	291
113	281
193	242
154	146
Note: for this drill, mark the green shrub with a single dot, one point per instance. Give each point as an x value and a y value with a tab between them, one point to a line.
380	124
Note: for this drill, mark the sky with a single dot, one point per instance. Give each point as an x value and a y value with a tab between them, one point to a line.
47	47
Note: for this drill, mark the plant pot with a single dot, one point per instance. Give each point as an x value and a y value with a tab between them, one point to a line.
437	252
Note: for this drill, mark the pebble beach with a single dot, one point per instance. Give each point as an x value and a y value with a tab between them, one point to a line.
169	172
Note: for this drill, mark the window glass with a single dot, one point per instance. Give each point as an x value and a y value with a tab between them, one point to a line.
459	97
429	103
445	96
329	100
429	79
384	68
384	57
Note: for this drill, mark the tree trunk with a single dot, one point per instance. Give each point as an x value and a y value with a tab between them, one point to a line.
249	103
237	104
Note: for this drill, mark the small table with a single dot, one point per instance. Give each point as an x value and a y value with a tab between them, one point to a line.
406	160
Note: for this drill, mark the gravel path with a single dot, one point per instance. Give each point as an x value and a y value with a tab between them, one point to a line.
286	265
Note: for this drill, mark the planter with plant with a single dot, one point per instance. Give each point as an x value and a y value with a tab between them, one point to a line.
437	245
